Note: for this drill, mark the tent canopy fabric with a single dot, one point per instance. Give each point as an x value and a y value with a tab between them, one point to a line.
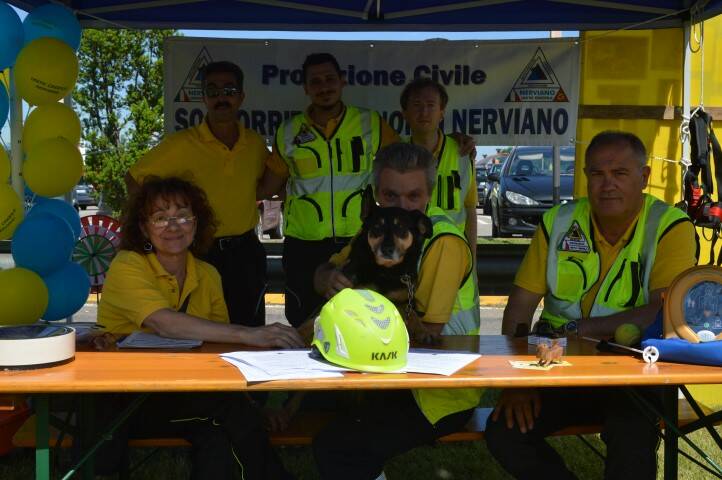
385	15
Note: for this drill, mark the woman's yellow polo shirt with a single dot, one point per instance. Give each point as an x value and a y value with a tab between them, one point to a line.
137	285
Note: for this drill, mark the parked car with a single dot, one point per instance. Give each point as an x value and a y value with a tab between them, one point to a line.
83	196
524	189
481	188
491	172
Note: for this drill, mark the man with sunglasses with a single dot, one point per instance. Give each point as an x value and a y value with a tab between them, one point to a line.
226	160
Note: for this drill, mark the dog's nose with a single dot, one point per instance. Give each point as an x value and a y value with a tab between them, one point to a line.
387	250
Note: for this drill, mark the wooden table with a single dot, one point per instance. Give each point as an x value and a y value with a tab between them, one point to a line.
204	370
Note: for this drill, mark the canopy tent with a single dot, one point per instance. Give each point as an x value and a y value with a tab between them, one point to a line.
386	15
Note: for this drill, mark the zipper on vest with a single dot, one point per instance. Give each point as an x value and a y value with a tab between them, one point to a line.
614	280
578	263
330	169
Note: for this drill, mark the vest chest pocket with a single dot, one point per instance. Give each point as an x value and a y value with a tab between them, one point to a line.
448	191
349	156
575	276
307	161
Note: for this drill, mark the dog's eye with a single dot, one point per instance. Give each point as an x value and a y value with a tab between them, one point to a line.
376	231
401	232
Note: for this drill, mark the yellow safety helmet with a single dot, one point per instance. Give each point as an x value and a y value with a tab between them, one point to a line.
362	330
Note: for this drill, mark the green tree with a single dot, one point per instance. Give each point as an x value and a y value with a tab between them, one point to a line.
119	96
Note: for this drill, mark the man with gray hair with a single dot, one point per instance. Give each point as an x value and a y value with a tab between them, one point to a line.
356	446
598	262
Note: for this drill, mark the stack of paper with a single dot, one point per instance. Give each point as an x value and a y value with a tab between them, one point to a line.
150	340
281	365
438	362
296	364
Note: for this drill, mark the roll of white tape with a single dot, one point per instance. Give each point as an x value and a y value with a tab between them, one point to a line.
34	346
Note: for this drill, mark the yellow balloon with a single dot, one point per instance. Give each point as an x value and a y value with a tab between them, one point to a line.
4	166
23	297
45	71
53	167
11	212
51	121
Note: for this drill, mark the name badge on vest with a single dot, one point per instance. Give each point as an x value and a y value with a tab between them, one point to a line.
304	135
574	240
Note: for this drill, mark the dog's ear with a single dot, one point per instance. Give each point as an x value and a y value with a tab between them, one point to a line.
368	203
423	224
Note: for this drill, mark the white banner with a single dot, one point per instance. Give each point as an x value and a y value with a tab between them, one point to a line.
500	92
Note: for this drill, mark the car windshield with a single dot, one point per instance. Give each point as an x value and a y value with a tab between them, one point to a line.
480	175
539	162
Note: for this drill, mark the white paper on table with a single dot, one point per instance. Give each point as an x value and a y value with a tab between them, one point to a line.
438	362
150	340
281	365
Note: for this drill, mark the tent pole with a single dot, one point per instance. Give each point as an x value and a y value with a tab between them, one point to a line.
556	172
686	97
16	140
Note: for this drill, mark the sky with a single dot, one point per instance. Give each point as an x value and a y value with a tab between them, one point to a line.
379	36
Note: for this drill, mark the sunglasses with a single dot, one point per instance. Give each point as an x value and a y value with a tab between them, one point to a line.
215	92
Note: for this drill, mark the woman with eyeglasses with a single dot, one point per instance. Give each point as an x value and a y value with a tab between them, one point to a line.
158	284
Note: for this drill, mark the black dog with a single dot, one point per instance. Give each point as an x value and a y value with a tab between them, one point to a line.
385	254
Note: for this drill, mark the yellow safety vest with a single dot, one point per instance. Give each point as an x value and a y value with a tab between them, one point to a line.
327	175
453	174
573	263
438	403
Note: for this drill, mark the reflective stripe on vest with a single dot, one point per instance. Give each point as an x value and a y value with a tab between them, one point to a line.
453	174
464	318
327	176
436	404
571	274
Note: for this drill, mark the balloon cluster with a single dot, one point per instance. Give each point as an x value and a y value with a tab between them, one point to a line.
45	283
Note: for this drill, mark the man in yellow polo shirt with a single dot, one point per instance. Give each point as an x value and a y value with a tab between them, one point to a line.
226	160
598	262
357	446
325	155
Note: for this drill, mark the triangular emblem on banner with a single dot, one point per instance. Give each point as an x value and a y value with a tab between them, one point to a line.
574	240
537	83
191	90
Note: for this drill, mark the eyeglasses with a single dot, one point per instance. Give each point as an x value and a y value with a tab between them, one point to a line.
162	221
215	92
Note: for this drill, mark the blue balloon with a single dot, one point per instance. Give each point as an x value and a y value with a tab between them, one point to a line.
68	289
42	243
61	209
12	35
52	20
4	105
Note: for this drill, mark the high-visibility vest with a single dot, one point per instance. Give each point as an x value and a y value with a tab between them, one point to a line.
438	403
327	175
573	263
453	174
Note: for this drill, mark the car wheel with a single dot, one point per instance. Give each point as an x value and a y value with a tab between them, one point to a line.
487	207
494	226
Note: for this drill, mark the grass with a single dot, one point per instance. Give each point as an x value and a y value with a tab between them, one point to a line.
445	462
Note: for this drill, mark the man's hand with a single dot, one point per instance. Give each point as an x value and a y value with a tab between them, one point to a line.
467	144
330	281
520	404
274	335
419	333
